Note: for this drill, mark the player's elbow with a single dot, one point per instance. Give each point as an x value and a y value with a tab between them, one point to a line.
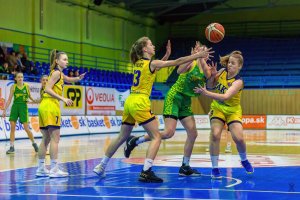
225	97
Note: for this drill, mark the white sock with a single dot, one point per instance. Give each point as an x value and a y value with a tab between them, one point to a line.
140	140
41	163
104	161
214	161
53	163
147	164
243	156
186	161
12	144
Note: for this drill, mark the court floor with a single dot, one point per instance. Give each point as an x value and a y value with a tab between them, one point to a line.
274	154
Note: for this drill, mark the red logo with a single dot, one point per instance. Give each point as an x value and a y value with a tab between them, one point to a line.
90	96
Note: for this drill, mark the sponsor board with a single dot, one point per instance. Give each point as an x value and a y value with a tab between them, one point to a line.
120	99
3	134
283	122
202	121
71	125
20	131
254	121
104	124
77	95
100	101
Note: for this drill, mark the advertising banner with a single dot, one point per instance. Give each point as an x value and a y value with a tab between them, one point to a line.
202	121
20	132
77	95
72	125
104	124
120	99
254	121
100	101
283	122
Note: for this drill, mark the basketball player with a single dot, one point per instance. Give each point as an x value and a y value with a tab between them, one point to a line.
49	114
226	108
177	105
20	91
137	105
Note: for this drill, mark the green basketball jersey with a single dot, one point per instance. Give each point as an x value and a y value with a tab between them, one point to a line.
21	95
187	81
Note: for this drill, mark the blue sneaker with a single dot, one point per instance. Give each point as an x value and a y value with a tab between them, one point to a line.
215	173
248	167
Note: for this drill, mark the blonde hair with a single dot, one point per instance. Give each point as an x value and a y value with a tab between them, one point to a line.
236	54
53	56
136	51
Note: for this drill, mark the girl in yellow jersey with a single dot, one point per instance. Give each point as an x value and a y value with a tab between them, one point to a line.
137	105
49	113
226	108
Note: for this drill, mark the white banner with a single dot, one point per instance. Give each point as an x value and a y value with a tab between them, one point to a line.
283	122
3	134
7	85
20	132
35	93
120	99
71	125
100	101
104	124
77	95
202	121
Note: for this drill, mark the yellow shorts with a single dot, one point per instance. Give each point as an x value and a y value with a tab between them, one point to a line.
226	114
49	113
137	108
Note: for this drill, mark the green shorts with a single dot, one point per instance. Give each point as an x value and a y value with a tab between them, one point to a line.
177	105
19	110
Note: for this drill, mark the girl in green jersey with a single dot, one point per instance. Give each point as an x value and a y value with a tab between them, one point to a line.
20	91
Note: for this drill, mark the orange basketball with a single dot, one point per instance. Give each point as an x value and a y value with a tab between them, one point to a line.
214	32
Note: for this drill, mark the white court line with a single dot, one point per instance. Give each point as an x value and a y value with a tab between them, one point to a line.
166	188
87	196
238	181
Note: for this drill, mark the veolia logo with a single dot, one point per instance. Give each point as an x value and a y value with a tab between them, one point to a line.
90	96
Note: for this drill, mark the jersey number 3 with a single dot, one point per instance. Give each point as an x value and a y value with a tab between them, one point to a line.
137	75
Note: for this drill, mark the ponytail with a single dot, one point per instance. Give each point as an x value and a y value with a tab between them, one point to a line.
136	51
235	54
54	55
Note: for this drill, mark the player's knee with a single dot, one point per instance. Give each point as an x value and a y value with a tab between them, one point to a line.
156	136
193	134
168	133
215	136
239	140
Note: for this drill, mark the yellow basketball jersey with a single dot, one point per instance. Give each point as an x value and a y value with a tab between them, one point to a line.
222	86
143	77
58	86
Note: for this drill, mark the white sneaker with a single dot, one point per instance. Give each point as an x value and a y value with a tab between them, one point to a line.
42	172
57	173
100	170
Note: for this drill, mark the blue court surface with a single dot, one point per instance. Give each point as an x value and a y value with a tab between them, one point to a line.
121	183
